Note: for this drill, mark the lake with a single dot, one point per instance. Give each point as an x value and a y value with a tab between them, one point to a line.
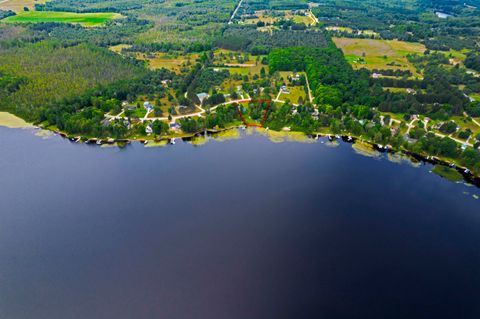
241	228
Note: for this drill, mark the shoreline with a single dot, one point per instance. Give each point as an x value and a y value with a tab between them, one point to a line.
10	120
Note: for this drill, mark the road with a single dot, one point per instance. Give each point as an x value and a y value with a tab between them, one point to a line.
235	12
178	117
310	98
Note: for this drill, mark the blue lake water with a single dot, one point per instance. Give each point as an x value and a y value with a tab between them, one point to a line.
242	228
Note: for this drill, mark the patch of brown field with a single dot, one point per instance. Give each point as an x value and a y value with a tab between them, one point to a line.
18	5
119	47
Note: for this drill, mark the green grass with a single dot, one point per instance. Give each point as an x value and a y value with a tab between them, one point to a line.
86	19
378	54
448	173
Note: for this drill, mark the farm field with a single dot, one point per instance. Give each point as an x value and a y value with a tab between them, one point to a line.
85	19
379	54
18	5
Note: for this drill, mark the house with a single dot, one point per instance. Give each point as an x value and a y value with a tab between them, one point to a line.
147	106
202	97
376	75
174	126
166	82
149	129
284	89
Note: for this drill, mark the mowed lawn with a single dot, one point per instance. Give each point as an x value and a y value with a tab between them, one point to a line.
379	54
85	19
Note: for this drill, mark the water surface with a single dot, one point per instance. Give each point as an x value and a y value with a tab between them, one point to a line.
242	228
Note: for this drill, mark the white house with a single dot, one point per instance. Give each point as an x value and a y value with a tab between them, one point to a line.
147	106
149	129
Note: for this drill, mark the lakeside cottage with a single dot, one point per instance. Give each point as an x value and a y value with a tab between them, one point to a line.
174	126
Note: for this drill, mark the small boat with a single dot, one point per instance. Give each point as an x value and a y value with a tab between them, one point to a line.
452	165
349	138
172	141
330	138
145	142
466	171
316	137
99	142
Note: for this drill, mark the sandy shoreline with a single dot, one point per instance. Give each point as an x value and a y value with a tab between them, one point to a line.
11	121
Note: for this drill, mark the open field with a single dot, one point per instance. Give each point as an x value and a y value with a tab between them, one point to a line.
340	29
168	61
119	47
379	54
295	92
265	17
18	5
85	19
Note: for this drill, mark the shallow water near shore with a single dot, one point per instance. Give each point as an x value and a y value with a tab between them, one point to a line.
237	228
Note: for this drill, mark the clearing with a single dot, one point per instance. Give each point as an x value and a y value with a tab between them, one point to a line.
379	54
172	62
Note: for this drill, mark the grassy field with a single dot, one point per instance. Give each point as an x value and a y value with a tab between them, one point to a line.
295	93
341	29
171	62
85	19
18	5
119	47
476	97
379	54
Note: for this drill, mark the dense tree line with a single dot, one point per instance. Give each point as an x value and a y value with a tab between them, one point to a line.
473	61
52	72
256	42
331	78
